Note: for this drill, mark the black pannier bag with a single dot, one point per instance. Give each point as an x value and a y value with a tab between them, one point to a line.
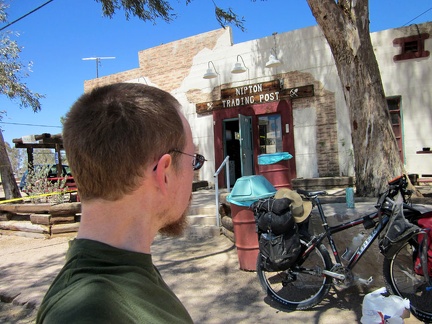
398	231
279	240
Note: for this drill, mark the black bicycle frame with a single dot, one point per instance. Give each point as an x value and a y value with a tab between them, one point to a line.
330	230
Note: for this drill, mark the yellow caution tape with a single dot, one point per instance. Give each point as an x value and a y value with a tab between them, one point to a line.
37	196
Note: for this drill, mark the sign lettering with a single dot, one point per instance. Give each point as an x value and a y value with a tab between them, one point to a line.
254	94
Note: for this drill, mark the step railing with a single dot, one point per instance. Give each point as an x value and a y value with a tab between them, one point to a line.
216	181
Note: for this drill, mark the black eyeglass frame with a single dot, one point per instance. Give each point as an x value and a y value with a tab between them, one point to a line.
198	159
197	162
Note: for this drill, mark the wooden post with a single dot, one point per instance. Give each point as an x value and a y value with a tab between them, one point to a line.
30	158
59	161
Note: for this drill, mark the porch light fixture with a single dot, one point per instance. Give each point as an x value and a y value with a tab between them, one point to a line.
238	67
142	79
211	72
273	60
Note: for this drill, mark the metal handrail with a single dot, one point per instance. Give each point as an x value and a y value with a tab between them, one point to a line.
224	163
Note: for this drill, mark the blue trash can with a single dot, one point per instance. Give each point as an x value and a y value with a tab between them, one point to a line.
276	168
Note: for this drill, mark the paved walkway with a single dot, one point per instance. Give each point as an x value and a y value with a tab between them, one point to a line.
203	273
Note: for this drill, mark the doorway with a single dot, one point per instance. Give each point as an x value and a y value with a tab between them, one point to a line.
237	133
232	148
238	145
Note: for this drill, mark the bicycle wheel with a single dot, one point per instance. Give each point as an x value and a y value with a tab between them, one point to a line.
302	286
402	280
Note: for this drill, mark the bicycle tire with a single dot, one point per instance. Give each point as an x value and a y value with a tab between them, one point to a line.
402	280
302	286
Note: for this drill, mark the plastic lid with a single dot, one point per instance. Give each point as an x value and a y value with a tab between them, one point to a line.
273	158
249	189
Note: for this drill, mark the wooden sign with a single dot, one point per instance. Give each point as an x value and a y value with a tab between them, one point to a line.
298	92
250	89
254	94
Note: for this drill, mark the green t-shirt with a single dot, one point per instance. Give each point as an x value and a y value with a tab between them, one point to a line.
103	284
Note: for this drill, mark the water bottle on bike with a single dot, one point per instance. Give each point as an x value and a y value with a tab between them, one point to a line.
352	248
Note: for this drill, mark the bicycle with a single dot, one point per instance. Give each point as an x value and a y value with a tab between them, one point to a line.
307	282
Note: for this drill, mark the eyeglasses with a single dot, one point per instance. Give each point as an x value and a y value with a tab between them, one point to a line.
197	162
198	159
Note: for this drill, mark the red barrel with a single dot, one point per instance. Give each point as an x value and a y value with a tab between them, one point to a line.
246	238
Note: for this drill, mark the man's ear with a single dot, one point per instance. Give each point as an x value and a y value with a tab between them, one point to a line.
163	172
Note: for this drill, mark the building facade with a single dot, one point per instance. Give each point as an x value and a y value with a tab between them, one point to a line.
287	121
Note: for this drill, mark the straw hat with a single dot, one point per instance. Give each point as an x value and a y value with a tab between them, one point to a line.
299	209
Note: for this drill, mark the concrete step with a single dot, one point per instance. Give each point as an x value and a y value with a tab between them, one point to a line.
202	215
201	231
205	209
202	220
202	226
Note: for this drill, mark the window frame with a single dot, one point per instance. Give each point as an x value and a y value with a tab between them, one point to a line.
407	44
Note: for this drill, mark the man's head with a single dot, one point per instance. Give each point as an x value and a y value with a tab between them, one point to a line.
114	132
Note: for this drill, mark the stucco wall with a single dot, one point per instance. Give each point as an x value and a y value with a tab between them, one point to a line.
321	123
412	80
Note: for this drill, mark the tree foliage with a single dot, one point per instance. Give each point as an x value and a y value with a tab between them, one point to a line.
12	70
151	10
146	10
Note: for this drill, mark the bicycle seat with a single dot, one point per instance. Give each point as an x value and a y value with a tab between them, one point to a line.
311	194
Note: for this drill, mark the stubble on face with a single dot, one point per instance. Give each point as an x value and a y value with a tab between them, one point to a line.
176	228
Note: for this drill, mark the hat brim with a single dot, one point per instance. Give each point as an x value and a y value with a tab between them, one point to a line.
297	202
307	208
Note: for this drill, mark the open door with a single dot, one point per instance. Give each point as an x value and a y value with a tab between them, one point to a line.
246	148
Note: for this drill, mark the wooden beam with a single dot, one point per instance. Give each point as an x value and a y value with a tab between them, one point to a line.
26	208
24	226
38	145
64	228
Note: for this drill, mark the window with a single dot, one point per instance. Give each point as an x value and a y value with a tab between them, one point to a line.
411	47
270	134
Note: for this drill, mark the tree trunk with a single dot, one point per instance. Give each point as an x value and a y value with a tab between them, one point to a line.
10	186
345	25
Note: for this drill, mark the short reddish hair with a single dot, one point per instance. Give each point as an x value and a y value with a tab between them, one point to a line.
112	133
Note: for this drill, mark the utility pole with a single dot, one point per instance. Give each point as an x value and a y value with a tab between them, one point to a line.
97	60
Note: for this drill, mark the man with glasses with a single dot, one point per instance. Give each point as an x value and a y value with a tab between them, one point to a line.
132	156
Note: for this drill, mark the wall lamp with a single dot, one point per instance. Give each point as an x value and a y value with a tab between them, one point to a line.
238	67
273	60
211	72
142	79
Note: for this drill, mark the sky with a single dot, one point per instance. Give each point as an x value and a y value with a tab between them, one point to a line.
58	36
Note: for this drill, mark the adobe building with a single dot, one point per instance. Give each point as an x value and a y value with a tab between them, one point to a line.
292	114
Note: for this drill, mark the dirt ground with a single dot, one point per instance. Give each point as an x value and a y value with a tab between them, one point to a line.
10	313
204	274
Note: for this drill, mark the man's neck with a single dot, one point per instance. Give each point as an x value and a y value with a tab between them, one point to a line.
122	224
